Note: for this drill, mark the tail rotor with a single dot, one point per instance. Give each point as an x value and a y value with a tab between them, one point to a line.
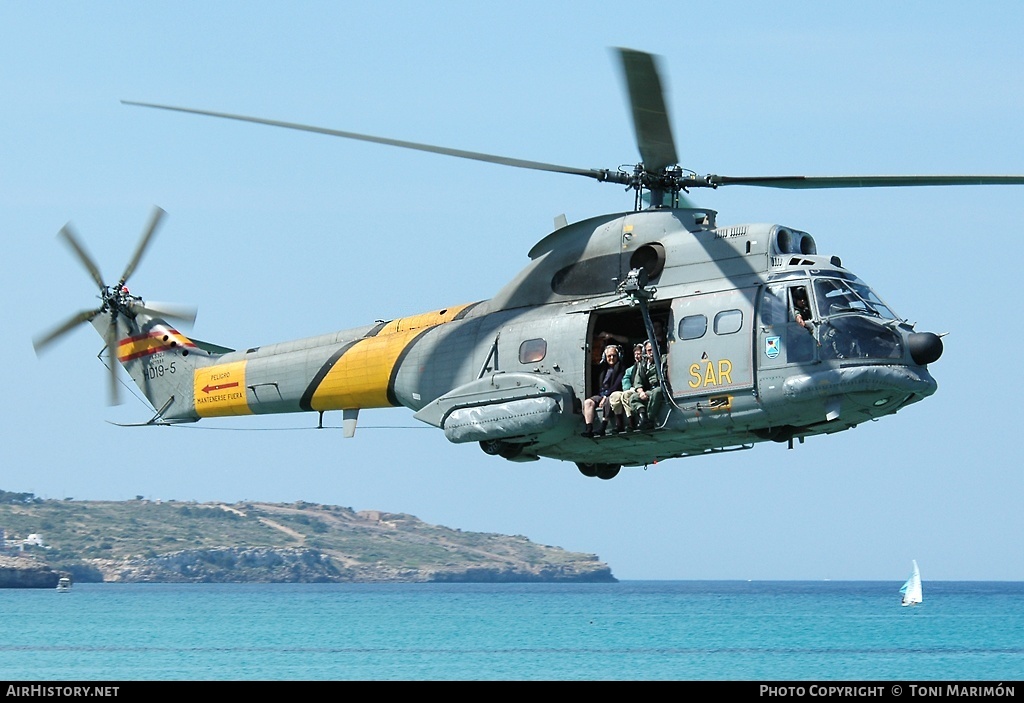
116	301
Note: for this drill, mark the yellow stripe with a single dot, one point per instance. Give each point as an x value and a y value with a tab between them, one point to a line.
359	379
220	390
426	319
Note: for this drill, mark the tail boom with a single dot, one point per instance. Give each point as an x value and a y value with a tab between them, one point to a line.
349	370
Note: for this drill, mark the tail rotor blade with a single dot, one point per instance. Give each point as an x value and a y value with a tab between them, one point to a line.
116	301
68	235
171	311
43	342
114	396
154	221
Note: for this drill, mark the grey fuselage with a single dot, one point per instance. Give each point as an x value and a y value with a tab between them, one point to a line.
512	372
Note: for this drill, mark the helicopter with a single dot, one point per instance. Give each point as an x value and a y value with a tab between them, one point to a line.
750	334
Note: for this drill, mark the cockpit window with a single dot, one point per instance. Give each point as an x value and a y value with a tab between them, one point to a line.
836	296
873	300
855	337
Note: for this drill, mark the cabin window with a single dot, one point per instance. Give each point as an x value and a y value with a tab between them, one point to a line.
532	350
693	327
728	322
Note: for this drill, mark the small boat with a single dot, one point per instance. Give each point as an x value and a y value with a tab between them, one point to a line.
64	585
911	590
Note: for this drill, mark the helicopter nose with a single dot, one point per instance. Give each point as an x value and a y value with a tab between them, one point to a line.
925	347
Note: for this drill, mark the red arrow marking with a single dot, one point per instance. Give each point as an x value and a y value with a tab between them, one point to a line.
222	386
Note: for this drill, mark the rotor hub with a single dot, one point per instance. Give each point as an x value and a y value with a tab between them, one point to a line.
118	299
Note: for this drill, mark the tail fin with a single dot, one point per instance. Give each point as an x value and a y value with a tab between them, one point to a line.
162	362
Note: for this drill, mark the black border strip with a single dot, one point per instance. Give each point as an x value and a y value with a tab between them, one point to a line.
376	329
392	398
306	401
465	311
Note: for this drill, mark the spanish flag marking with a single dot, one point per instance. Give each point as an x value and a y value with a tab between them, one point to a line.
220	390
158	339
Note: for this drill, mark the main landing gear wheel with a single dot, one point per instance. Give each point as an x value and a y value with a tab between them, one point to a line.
498	447
601	471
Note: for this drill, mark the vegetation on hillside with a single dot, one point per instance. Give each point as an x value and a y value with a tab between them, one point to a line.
90	538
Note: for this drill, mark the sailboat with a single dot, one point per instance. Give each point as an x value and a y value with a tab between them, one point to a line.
911	590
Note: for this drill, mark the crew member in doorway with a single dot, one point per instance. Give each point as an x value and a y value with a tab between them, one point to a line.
608	379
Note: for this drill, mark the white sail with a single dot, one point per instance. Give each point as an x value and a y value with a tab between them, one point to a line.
911	590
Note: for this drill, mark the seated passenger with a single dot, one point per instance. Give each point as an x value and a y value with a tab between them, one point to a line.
601	341
607	379
647	401
619	400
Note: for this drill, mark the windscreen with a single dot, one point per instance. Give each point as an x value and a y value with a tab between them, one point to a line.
836	296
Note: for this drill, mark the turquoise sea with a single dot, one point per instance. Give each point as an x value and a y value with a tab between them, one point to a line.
633	630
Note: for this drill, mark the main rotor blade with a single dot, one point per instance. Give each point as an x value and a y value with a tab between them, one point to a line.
650	118
147	235
599	174
43	342
810	182
68	235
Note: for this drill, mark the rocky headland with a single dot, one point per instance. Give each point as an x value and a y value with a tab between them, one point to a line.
178	542
26	572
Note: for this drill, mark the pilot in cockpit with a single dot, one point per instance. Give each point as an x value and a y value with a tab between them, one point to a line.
802	308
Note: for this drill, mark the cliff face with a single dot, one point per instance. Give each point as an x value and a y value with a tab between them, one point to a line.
289	565
172	542
26	572
221	565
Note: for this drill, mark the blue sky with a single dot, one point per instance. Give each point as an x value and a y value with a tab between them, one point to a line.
277	234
